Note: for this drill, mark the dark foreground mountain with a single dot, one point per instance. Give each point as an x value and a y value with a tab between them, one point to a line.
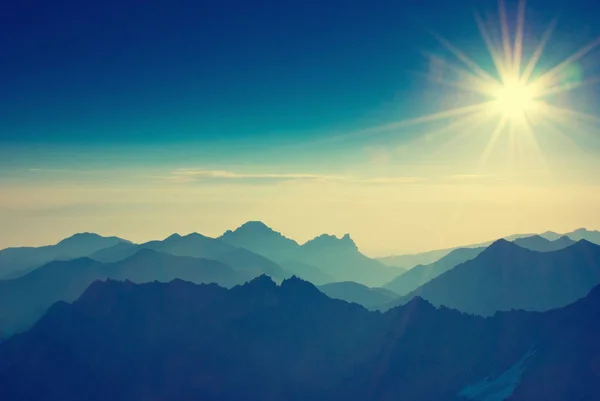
181	341
25	299
199	246
419	275
353	292
506	276
15	262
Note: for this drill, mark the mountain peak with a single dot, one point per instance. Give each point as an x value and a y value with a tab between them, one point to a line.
330	241
502	247
174	236
252	228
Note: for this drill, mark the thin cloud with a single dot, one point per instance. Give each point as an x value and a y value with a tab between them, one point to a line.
185	175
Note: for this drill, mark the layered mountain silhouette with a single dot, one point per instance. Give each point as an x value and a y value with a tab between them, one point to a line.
407	261
257	237
18	261
505	276
421	274
323	259
353	292
541	244
25	299
260	341
199	246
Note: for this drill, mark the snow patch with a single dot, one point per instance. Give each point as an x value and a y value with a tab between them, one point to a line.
500	388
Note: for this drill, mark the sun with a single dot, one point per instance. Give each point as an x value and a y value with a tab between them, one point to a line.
515	99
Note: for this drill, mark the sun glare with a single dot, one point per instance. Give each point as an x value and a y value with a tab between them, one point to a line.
515	99
516	94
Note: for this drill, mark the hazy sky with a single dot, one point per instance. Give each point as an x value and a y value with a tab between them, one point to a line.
141	119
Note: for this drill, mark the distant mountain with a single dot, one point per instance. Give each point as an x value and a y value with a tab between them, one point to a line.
259	238
408	261
260	341
541	244
341	259
505	276
582	233
419	275
353	292
306	272
23	300
18	261
199	246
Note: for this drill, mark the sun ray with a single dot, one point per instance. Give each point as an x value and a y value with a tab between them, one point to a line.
500	126
518	48
557	111
557	89
547	77
505	33
442	115
466	86
496	57
465	59
481	85
537	54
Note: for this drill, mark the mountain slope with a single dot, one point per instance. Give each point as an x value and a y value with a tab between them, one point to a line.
199	246
23	300
341	259
260	341
419	275
353	292
18	261
506	276
324	259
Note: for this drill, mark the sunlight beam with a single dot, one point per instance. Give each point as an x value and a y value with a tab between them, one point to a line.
518	50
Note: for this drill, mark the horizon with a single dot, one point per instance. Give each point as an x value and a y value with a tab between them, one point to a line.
303	242
412	126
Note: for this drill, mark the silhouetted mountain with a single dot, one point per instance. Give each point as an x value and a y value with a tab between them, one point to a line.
582	233
506	276
306	272
419	275
541	244
199	246
324	259
23	300
259	238
353	292
407	261
341	259
258	341
18	261
179	341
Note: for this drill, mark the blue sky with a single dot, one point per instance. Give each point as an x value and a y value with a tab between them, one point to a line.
128	92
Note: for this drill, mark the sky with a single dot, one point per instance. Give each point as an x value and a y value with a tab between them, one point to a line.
140	119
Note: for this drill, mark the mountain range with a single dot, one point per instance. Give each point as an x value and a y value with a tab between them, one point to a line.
18	261
260	341
324	259
408	261
25	299
505	276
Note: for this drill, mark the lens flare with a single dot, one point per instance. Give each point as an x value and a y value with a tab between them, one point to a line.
516	94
